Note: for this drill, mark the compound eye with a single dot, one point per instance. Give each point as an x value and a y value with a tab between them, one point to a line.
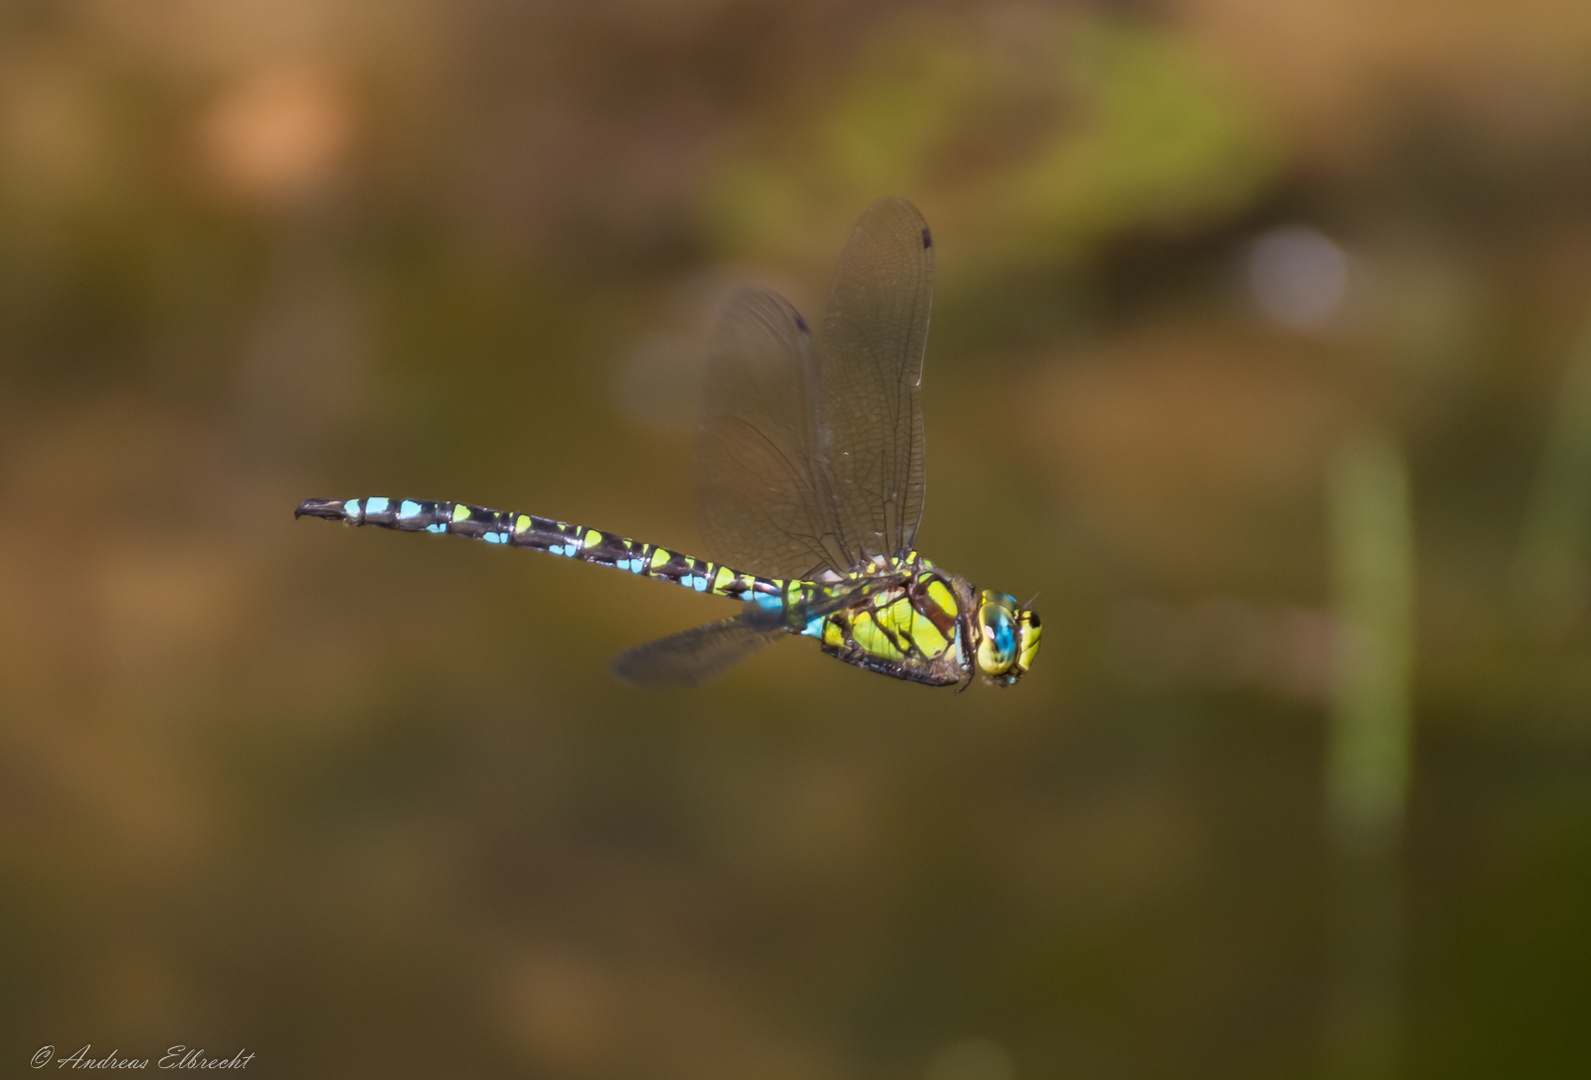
997	649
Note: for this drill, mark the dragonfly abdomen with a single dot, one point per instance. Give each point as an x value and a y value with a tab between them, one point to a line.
513	529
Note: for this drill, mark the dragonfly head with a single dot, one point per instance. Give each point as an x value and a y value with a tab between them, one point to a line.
1008	637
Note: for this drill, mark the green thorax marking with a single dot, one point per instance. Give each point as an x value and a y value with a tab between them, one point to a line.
912	622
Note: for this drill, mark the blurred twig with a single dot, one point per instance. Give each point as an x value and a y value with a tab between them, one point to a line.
1369	750
1373	554
1550	574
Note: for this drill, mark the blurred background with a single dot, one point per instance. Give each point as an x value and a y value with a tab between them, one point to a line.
1261	352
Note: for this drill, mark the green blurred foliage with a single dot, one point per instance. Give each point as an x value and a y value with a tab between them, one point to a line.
1039	143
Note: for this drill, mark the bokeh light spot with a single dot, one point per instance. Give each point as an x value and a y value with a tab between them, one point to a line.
278	134
1299	277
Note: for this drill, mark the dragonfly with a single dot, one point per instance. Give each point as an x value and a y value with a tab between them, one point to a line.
809	481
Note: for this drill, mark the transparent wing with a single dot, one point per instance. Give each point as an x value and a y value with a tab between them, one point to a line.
810	461
870	372
692	656
765	497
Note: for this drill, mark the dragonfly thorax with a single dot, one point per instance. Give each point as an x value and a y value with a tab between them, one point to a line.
901	616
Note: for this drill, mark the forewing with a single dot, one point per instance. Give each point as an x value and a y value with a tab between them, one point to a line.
765	499
870	373
692	656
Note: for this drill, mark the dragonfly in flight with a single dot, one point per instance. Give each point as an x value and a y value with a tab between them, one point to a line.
809	488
